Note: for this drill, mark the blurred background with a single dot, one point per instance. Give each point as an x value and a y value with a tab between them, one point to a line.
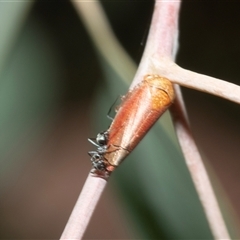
55	92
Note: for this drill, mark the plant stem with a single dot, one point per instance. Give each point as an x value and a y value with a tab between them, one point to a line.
84	207
160	49
162	38
165	17
197	81
197	170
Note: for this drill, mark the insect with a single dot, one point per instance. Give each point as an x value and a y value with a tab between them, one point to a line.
97	158
140	109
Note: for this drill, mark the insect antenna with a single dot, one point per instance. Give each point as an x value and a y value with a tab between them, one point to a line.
93	141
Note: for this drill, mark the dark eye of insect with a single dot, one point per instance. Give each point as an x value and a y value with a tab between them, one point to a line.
101	139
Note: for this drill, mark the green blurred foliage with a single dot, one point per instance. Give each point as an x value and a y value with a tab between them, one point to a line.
12	19
30	89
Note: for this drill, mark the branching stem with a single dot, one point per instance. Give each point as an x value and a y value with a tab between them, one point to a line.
157	59
189	148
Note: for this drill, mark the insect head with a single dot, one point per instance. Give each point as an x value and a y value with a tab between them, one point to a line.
97	157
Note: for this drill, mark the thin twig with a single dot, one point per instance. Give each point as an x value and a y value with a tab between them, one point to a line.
197	81
160	46
197	169
192	156
161	42
84	207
